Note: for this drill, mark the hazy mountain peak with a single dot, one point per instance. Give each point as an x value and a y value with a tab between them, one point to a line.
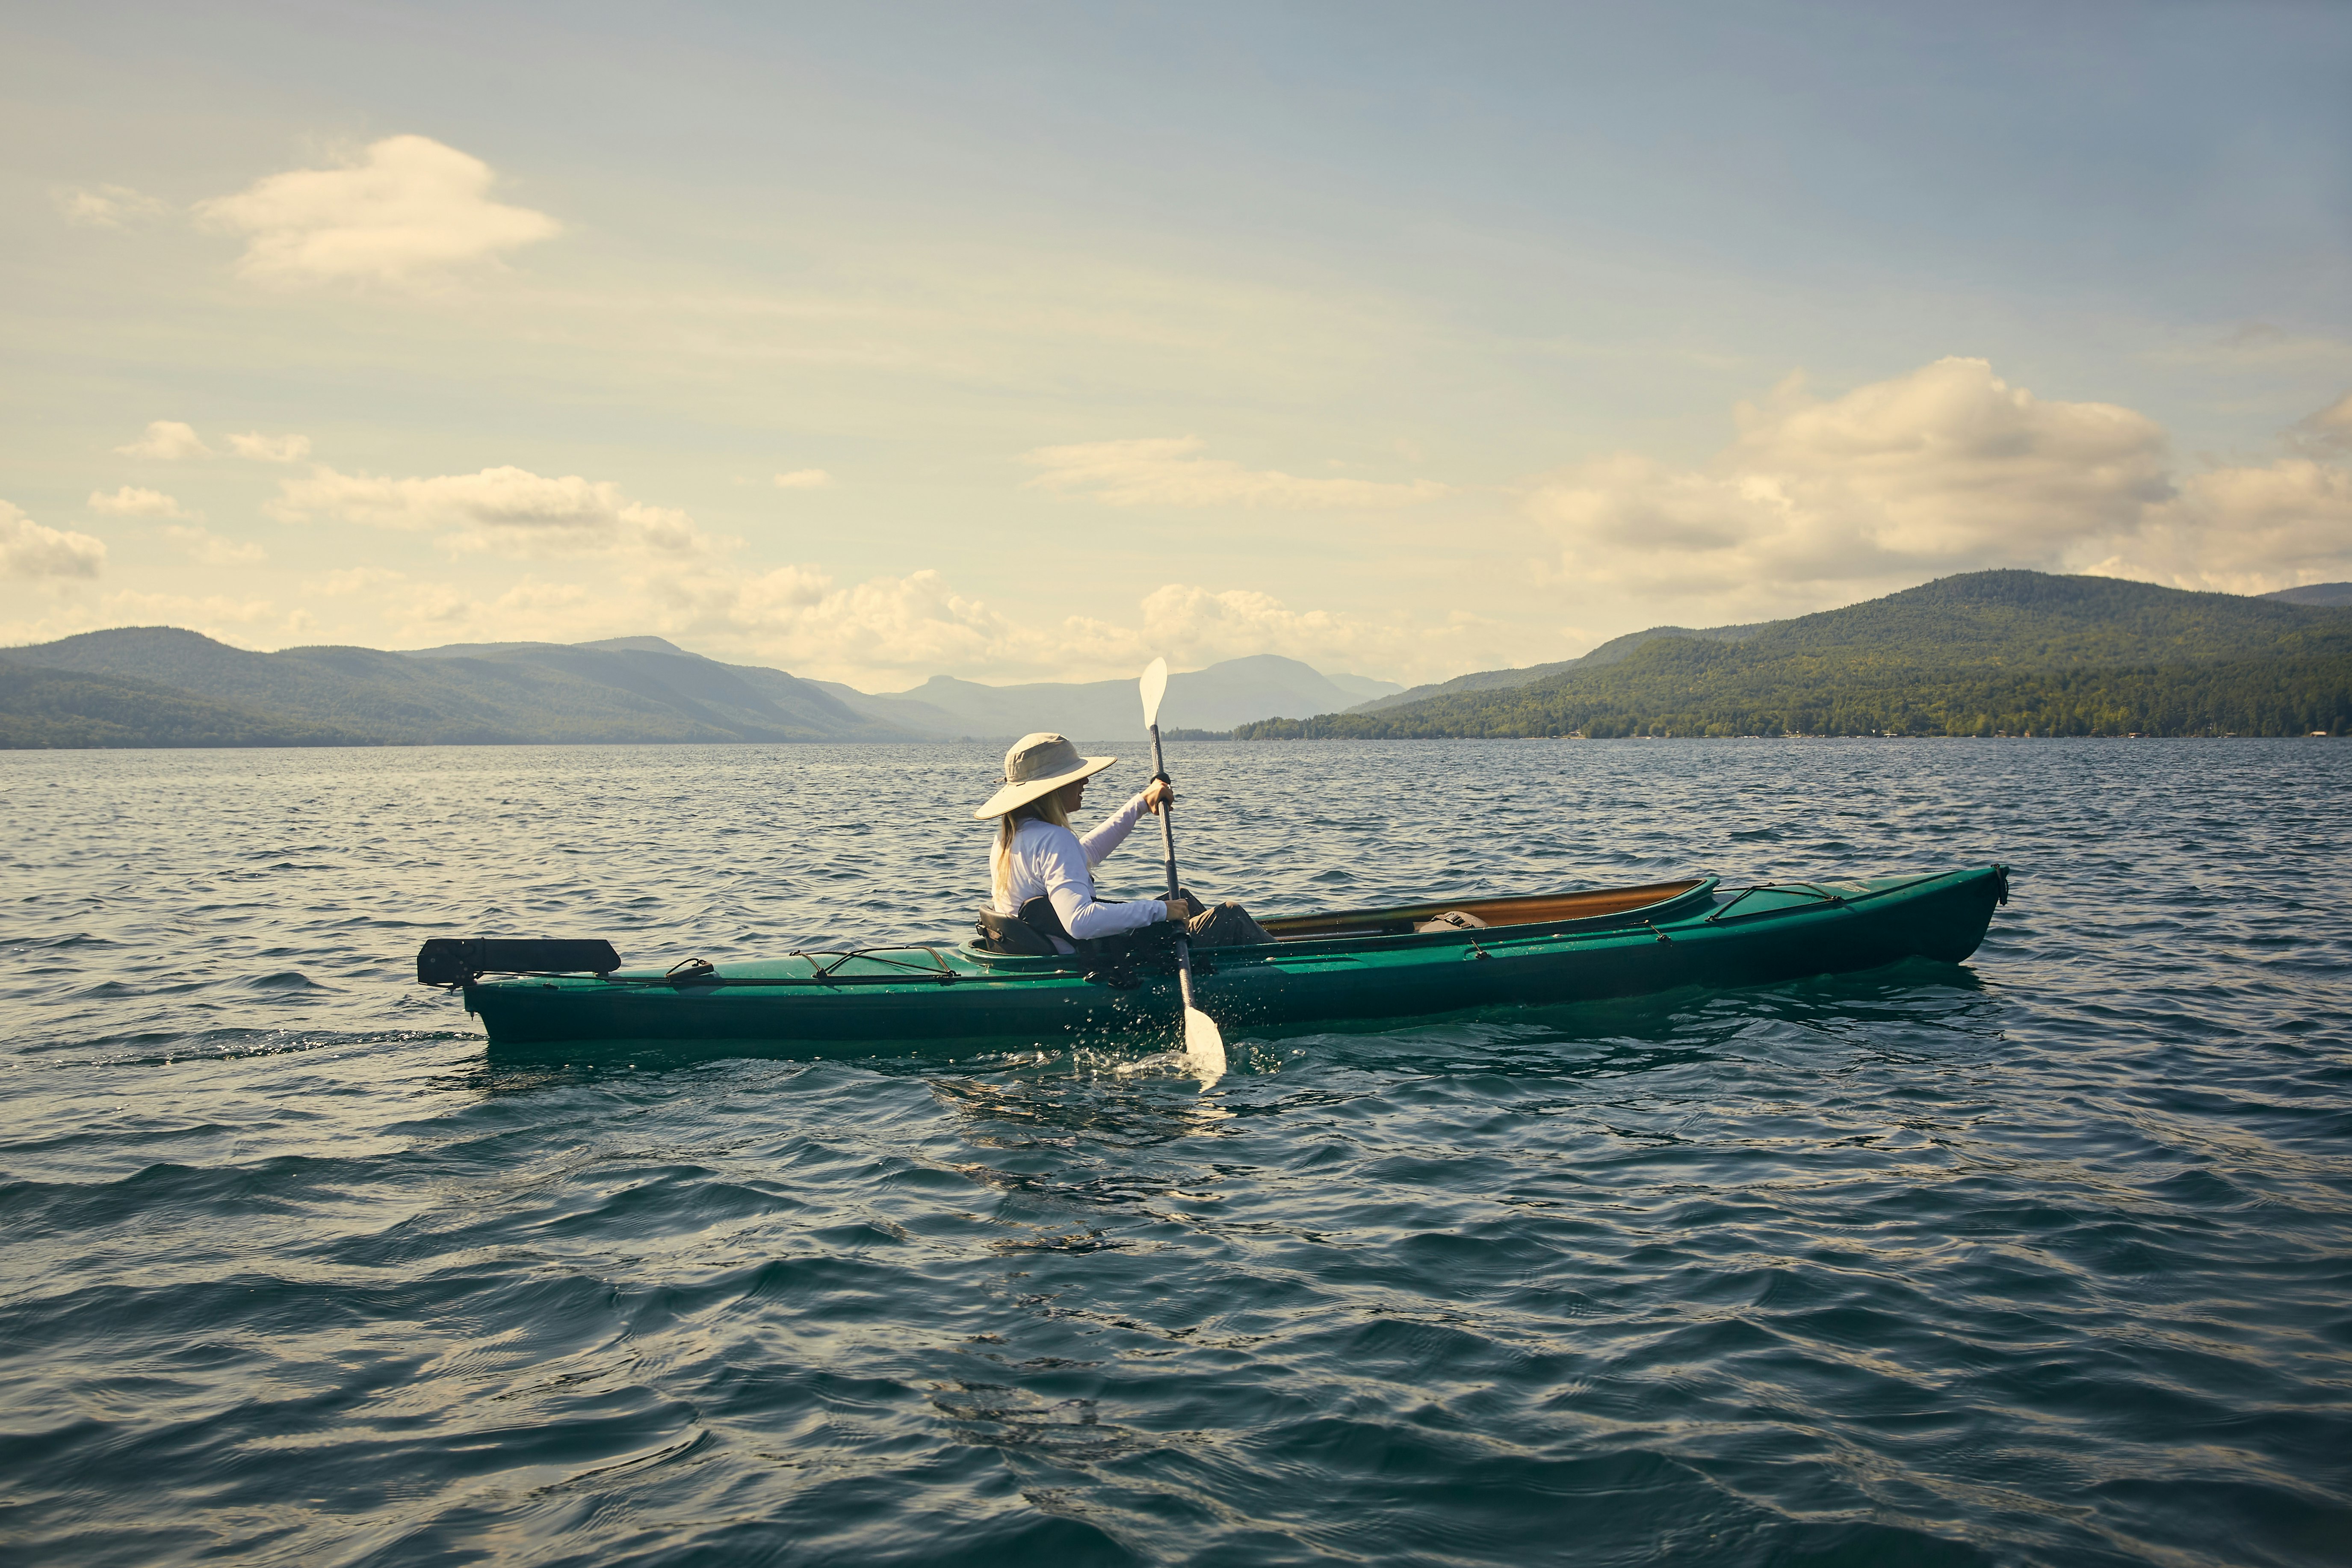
638	644
1232	692
492	649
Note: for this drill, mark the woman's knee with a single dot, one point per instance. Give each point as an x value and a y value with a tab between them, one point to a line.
1226	925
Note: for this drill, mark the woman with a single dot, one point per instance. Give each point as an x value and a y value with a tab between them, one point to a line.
1037	857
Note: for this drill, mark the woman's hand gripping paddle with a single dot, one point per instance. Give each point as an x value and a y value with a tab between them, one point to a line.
1203	1043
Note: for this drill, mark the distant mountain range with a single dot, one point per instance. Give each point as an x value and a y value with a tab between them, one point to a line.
1215	699
160	686
1985	653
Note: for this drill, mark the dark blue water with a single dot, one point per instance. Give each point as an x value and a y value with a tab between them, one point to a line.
2047	1258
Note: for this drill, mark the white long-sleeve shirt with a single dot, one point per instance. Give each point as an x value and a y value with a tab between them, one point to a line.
1056	864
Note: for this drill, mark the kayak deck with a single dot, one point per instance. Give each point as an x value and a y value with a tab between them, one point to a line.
1348	964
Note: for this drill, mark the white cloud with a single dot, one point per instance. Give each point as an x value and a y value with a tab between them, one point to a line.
508	511
203	545
27	548
798	616
883	630
1196	626
422	613
890	632
2245	531
108	206
1169	472
132	502
551	612
166	441
805	479
2250	529
405	210
1946	470
270	448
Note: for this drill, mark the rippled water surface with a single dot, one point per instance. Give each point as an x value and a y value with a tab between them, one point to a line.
2046	1259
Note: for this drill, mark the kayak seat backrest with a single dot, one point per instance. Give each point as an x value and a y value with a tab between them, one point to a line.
1452	920
1009	933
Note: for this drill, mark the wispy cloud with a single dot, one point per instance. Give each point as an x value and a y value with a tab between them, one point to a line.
166	441
404	211
130	502
209	548
2328	433
270	448
508	511
108	206
30	550
805	479
2257	346
1169	471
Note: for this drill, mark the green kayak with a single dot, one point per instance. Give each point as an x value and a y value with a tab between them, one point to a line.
1350	964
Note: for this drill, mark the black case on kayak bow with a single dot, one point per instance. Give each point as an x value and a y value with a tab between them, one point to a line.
462	960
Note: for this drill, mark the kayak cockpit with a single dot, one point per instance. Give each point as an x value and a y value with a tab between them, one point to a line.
1648	899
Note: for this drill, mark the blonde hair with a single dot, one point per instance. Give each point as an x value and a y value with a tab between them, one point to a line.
1047	808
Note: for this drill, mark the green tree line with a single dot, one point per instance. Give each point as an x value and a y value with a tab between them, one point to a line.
1673	687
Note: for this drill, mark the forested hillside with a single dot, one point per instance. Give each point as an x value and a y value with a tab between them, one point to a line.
503	693
45	709
1611	652
1988	653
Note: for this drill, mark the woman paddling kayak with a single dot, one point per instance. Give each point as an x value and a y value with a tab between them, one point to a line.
1042	873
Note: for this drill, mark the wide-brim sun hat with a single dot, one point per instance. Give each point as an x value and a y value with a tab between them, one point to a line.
1036	766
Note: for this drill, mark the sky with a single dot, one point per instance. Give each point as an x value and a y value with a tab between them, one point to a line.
1030	341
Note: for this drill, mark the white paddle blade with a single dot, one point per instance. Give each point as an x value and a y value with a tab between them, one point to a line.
1155	687
1204	1045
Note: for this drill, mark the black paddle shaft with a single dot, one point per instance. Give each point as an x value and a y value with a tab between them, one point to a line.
1167	813
1168	844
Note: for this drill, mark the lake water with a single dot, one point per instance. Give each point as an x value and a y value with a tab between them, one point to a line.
2047	1258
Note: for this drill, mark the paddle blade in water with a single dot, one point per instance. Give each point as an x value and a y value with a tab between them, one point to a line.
1155	687
1204	1044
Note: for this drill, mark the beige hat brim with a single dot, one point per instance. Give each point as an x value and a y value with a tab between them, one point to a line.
1027	790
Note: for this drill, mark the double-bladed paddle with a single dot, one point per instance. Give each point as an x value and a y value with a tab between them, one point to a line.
1202	1041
